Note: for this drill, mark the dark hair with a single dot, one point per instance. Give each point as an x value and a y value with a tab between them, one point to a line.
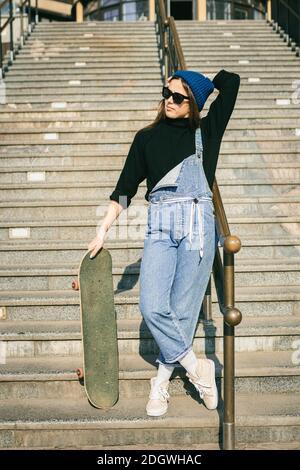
194	115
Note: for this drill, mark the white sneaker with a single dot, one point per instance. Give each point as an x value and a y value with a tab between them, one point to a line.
158	398
205	382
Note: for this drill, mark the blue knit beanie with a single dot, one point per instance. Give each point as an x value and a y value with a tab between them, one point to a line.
200	85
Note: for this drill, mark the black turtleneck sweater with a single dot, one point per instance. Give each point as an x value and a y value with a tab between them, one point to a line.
155	151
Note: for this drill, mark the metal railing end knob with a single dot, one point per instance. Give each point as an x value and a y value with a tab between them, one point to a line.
232	244
232	316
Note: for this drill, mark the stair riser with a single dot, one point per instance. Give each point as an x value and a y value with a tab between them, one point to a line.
42	348
235	209
30	83
131	99
225	176
130	254
92	132
44	438
110	107
38	59
141	113
127	281
38	162
80	232
72	389
126	93
44	311
237	125
67	148
87	50
56	53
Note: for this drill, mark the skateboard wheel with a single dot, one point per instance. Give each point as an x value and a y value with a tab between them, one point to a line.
75	285
79	373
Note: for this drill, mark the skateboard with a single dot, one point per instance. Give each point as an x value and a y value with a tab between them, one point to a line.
99	329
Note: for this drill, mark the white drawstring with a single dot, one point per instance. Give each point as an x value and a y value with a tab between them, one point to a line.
200	221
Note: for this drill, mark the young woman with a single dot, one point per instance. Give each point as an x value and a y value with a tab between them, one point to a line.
178	155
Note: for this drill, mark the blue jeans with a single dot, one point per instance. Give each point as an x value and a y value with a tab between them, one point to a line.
179	249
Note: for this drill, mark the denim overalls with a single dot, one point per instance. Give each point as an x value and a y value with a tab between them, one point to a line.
179	249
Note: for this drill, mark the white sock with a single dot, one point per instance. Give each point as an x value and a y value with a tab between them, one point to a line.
164	373
189	362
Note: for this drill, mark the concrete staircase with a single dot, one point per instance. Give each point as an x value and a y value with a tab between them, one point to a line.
76	95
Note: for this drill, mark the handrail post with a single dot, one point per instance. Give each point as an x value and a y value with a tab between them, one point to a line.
166	51
229	408
1	56
229	405
36	19
22	38
29	18
207	304
232	317
11	34
269	10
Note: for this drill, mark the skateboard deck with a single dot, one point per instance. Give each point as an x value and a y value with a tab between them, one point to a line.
99	330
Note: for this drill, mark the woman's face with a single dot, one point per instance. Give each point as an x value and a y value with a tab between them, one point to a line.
173	110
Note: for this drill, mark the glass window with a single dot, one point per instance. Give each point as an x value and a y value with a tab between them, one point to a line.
222	10
131	10
111	14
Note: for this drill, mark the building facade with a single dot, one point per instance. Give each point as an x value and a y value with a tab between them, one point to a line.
132	10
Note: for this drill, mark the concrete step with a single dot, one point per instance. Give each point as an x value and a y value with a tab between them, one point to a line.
125	247
56	196
63	338
227	173
77	37
41	142
14	124
45	377
55	424
98	25
231	37
85	229
100	47
243	108
130	66
267	78
261	301
40	160
25	114
91	53
253	302
72	93
232	183
74	88
246	85
281	272
151	55
128	131
125	66
123	61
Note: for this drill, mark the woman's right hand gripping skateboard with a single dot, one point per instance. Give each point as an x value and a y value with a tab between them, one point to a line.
97	243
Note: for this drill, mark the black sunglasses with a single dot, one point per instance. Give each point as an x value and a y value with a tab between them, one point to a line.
177	97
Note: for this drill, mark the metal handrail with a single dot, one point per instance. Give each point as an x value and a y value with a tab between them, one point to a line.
172	59
286	22
14	47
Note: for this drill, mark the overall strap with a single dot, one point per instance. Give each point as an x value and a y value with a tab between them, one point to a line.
198	142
